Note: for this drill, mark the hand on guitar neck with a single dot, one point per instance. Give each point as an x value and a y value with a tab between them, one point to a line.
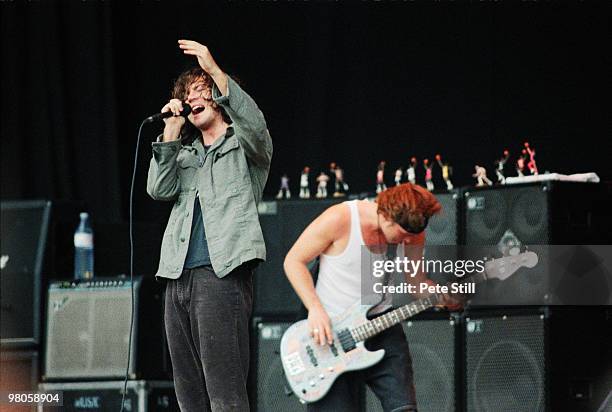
449	302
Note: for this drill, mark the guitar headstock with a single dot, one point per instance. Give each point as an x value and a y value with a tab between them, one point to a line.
502	268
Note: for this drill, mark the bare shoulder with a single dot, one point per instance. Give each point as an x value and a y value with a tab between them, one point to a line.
334	217
322	232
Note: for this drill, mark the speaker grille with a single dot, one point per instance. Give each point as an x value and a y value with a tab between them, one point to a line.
432	348
505	364
271	395
443	227
523	210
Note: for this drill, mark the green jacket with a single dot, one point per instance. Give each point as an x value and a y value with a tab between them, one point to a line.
229	185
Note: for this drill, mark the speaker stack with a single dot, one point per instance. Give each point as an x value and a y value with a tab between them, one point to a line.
88	344
25	229
87	323
520	350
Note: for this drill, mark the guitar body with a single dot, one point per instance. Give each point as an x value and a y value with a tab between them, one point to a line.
311	369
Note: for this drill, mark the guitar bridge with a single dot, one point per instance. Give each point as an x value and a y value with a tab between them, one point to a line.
346	340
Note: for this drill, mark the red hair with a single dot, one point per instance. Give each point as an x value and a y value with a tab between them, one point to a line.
408	205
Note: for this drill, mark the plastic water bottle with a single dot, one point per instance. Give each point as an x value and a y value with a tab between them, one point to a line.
84	249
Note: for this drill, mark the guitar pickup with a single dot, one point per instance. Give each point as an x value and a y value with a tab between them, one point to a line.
311	355
346	340
333	349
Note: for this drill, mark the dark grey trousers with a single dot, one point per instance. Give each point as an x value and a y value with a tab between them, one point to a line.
207	325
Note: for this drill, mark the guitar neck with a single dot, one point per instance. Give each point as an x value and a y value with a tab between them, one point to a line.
377	325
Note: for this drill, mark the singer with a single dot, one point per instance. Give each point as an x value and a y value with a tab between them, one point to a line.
213	165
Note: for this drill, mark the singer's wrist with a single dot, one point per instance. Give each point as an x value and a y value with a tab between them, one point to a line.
171	133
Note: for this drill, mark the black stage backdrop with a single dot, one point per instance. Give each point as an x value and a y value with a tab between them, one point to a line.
350	83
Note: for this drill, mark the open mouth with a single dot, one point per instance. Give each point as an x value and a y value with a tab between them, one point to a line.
197	109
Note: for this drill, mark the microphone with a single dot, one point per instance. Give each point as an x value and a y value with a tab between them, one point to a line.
159	116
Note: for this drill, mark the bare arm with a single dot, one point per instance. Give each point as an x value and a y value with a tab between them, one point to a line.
206	62
316	239
414	251
244	112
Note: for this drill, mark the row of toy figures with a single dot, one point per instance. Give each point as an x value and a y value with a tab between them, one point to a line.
410	174
526	158
340	186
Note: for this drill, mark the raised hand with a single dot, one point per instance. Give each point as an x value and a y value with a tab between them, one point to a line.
202	53
206	62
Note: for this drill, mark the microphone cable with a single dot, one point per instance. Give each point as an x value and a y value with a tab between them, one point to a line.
131	230
185	112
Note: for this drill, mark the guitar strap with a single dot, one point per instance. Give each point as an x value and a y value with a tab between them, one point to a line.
390	255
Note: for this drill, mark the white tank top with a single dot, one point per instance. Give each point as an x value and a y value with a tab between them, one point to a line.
339	282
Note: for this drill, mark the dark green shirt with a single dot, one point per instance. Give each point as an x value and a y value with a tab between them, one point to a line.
197	254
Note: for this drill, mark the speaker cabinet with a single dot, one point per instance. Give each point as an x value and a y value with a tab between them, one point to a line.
267	376
282	223
538	216
34	239
433	340
538	360
19	370
140	396
88	330
560	213
505	363
24	236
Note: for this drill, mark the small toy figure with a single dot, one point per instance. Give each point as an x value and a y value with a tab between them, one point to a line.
499	168
332	174
398	176
380	177
532	163
428	175
481	176
520	163
447	171
322	186
410	172
284	188
340	186
304	184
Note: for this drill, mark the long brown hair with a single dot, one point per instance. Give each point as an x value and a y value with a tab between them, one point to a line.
180	90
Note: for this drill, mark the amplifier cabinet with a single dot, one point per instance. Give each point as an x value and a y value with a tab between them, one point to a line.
88	330
141	396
